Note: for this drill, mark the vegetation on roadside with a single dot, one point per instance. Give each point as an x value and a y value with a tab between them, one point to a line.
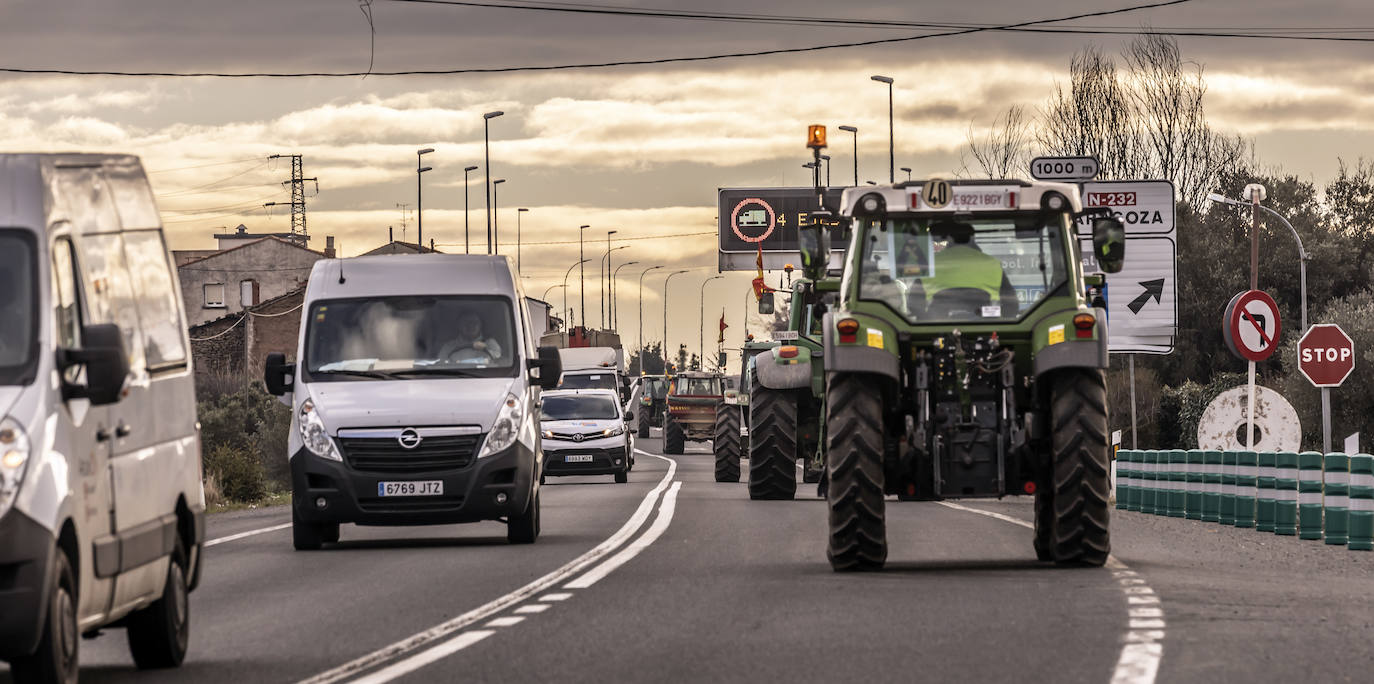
243	434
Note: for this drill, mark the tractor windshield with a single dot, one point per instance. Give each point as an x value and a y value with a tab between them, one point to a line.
963	269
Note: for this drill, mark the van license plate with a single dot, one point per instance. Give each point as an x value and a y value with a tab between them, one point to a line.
415	488
577	458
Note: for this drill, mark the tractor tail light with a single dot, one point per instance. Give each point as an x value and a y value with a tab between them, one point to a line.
848	328
787	352
1083	323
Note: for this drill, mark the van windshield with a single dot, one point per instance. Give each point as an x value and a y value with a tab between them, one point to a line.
411	336
588	381
578	407
18	308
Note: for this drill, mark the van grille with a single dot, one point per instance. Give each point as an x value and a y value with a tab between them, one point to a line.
385	455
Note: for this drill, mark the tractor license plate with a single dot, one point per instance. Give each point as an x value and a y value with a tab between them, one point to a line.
412	488
577	458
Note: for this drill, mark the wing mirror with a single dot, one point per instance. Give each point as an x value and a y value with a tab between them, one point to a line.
766	303
629	416
550	366
107	364
278	375
814	243
1109	243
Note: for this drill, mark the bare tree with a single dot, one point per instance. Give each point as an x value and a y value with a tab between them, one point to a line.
1005	150
1095	117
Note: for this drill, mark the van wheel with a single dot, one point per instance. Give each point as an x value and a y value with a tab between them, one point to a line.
55	658
524	528
674	442
623	476
308	536
159	633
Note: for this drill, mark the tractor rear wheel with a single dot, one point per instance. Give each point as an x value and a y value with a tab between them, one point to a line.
772	443
673	440
726	443
644	423
1080	478
854	467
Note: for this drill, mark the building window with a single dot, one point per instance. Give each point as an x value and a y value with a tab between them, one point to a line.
248	293
214	296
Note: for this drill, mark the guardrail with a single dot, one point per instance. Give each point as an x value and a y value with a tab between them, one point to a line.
1310	495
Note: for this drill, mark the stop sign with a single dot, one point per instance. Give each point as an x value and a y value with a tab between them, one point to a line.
1326	355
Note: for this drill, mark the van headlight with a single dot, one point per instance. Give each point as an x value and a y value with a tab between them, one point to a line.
613	432
14	458
313	435
506	428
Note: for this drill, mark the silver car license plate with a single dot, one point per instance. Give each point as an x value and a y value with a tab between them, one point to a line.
412	488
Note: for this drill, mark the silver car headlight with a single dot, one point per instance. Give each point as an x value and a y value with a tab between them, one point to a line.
313	434
506	428
14	459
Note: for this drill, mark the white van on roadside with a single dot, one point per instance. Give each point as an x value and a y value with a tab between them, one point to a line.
101	504
415	397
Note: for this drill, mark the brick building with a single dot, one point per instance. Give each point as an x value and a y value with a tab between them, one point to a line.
228	281
234	346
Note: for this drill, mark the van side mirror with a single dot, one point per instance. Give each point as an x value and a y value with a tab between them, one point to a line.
550	366
278	375
1109	243
629	416
814	243
106	362
766	303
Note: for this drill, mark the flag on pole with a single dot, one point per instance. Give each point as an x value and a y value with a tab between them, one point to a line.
723	326
759	286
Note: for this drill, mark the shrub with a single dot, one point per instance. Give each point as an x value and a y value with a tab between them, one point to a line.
251	421
238	472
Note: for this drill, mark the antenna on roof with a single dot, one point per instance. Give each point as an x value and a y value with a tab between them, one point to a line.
341	277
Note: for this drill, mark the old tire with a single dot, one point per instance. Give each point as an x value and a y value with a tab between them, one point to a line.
644	423
55	659
158	634
854	468
772	444
673	440
1044	524
726	443
1080	478
523	528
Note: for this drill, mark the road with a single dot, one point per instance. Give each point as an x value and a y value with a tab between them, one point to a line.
697	583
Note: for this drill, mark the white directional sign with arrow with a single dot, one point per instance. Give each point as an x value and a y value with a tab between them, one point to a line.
1142	305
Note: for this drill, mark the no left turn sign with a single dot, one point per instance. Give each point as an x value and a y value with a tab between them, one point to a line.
1251	325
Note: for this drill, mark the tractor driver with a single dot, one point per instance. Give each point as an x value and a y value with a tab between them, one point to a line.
965	273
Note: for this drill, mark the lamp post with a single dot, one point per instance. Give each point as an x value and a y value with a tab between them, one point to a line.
891	150
419	201
615	323
496	218
467	241
639	338
907	169
855	131
605	273
551	288
815	172
701	322
606	262
582	276
518	230
565	287
665	316
486	151
826	159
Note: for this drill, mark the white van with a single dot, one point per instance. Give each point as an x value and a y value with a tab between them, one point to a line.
101	506
587	432
415	397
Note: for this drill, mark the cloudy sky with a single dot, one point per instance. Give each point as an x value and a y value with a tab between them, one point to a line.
638	149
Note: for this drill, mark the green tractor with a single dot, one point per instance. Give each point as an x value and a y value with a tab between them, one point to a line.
962	359
786	381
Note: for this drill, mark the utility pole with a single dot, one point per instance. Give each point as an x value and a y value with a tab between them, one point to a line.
297	184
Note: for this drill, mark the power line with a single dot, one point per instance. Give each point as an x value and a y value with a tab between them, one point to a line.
202	166
598	65
573	242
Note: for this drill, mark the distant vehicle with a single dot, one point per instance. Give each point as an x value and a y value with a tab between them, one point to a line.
653	404
414	396
692	402
101	506
593	368
586	432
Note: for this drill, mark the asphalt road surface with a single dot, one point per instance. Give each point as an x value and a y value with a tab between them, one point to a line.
674	577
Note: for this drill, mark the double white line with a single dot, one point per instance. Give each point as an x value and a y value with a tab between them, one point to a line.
435	643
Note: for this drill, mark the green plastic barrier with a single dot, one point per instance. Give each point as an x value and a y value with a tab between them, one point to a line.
1361	503
1310	495
1137	481
1286	494
1178	481
1264	503
1124	466
1149	492
1193	480
1228	488
1211	489
1247	472
1336	499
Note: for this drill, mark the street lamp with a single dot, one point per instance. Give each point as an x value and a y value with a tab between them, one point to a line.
826	158
701	322
815	172
467	242
486	151
907	169
606	263
495	218
1302	253
855	131
665	316
582	276
891	153
551	288
640	337
565	288
419	203
518	230
605	271
614	322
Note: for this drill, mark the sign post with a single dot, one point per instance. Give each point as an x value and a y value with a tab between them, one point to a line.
1251	328
1326	357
